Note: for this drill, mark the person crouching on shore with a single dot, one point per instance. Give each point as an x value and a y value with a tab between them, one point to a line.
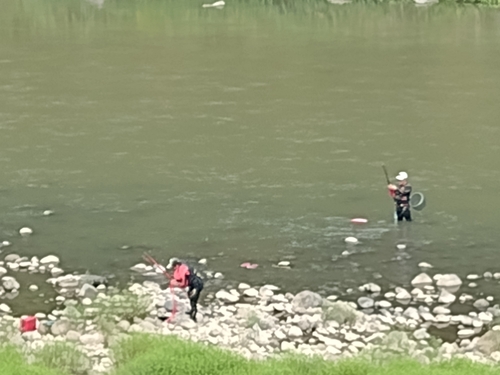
185	277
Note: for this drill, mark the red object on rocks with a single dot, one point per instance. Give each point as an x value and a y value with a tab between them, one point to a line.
28	324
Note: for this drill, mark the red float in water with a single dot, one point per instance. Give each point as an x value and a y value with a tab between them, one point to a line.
28	324
249	266
359	220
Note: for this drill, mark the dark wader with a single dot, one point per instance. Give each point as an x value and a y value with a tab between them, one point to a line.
403	212
402	199
195	288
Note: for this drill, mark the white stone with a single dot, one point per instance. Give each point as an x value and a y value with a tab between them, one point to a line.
140	267
9	283
490	298
422	279
286	346
295	332
25	231
481	304
496	275
421	334
425	265
92	339
384	304
86	302
477	323
351	240
3	271
55	272
225	296
6	243
284	264
5	309
495	356
48	212
13	266
485	317
60	299
449	280
464	333
218	275
202	261
365	302
351	336
371	288
390	295
33	288
446	297
401	246
402	294
473	277
49	259
243	286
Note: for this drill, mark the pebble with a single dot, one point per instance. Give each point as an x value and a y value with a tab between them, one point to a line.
401	246
33	288
352	240
25	231
6	243
202	261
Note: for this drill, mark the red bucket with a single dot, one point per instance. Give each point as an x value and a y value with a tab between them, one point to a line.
28	324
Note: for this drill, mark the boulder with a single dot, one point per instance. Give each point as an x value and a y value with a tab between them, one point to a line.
88	291
449	280
226	297
402	294
421	334
56	271
481	304
489	342
307	299
60	327
11	258
422	279
9	283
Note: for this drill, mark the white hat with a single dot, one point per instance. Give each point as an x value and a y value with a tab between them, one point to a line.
402	176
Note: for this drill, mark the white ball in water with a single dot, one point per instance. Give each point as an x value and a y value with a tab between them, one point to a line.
25	231
401	246
351	240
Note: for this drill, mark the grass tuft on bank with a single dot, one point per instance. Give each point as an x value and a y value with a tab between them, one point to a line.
13	363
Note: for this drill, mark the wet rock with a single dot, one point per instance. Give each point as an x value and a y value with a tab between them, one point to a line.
11	258
25	231
140	267
446	297
287	346
440	310
412	313
202	261
402	294
371	288
351	240
86	302
473	277
226	297
306	299
56	271
365	302
88	291
424	265
33	288
422	279
481	304
384	304
487	275
49	259
449	280
3	271
5	309
472	285
9	283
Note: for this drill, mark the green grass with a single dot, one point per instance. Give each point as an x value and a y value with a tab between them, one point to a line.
12	363
167	355
63	357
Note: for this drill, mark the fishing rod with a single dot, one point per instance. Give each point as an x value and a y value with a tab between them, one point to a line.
386	174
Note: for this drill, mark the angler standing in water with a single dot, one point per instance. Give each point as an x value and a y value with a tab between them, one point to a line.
185	277
401	195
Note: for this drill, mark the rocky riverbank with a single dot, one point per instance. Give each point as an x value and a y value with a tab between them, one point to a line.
256	321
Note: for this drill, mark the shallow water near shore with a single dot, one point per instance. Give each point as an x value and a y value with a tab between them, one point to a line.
252	133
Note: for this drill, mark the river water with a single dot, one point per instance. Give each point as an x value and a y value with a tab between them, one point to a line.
252	133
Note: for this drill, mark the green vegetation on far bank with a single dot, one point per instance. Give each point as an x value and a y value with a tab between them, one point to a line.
167	355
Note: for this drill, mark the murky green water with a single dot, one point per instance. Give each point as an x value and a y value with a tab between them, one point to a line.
252	133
